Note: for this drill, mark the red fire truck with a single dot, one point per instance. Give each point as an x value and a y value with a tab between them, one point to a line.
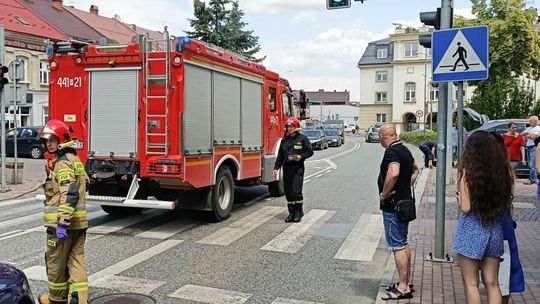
175	128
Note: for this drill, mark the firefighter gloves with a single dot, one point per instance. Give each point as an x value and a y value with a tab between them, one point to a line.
61	232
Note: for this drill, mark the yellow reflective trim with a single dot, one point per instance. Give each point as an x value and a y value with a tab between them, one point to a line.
298	147
54	216
51	243
67	170
79	284
50	216
67	209
79	213
79	168
58	286
65	177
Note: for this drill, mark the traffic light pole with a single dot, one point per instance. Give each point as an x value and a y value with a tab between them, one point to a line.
442	127
460	123
3	187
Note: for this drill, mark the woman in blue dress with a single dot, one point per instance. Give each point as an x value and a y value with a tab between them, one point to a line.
486	185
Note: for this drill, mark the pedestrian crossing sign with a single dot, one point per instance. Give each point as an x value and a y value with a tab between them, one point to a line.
460	54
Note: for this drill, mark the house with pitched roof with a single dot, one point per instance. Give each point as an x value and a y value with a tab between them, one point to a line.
26	36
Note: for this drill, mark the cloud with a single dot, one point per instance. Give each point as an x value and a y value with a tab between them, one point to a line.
282	6
327	61
464	12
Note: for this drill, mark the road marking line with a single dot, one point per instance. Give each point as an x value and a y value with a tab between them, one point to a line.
297	235
210	295
168	229
134	260
19	220
243	226
291	301
362	242
8	233
332	165
319	175
122	223
307	181
38	273
127	284
17	201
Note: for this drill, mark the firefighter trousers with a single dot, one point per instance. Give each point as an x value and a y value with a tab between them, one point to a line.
293	180
66	266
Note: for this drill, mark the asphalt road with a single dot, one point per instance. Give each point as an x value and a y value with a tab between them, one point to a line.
336	255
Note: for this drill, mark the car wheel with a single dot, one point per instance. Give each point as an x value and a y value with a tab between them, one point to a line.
36	153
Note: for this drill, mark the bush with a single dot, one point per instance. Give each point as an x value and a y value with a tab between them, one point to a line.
416	137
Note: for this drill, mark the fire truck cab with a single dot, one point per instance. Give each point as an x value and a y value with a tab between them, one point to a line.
171	128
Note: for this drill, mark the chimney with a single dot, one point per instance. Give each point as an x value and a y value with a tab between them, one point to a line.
57	4
321	90
133	27
94	10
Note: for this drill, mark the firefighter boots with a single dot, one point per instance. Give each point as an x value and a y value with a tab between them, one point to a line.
44	299
298	212
291	213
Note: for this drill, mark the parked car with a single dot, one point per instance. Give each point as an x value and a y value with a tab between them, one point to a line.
336	124
350	128
317	139
28	142
333	137
14	287
372	134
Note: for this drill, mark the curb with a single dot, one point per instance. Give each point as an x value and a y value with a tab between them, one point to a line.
36	186
390	268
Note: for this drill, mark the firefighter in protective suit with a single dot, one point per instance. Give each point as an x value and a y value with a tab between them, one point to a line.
65	219
295	148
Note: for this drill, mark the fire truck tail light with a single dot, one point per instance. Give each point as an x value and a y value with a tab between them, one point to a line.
165	169
177	60
78	60
53	65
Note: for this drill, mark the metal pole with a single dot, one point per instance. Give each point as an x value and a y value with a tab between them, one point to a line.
460	123
446	21
449	139
425	91
15	121
3	187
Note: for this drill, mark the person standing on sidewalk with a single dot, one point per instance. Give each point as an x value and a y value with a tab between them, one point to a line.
394	182
515	145
486	186
294	149
530	134
65	219
429	150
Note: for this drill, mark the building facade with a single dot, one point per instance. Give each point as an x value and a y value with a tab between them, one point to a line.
395	82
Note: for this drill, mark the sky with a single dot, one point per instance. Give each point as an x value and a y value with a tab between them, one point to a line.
314	48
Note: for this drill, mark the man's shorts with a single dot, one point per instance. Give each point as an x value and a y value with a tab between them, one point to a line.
395	232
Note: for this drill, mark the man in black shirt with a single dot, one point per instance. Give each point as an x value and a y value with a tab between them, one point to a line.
395	180
294	149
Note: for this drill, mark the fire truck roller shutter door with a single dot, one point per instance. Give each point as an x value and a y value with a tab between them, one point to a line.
226	107
197	131
113	112
252	93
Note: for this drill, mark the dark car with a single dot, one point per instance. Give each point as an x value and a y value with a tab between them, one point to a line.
337	124
317	139
14	288
500	126
372	134
333	137
28	142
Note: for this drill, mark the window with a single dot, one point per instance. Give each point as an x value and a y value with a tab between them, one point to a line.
434	94
43	72
45	115
382	53
410	70
410	92
411	49
381	76
286	106
456	91
24	61
381	97
381	117
272	99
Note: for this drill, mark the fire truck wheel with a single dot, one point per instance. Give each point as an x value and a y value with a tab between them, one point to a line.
117	211
222	195
277	188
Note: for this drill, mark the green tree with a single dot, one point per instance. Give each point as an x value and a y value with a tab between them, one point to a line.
514	50
220	23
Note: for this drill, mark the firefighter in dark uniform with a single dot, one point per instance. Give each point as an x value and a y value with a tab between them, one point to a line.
65	219
295	148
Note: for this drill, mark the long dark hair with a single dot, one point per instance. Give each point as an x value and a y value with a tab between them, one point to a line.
489	176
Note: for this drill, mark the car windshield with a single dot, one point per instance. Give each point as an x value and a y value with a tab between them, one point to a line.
331	132
374	130
333	126
312	134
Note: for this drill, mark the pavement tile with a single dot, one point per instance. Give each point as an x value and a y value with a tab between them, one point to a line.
28	186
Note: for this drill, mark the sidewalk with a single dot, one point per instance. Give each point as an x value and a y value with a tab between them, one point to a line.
28	186
441	282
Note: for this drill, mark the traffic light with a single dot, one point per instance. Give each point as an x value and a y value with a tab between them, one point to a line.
432	18
336	4
303	100
3	80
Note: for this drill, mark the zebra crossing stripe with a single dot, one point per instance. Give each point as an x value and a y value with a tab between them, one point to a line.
363	240
243	226
298	234
122	223
291	301
210	295
134	260
167	230
127	284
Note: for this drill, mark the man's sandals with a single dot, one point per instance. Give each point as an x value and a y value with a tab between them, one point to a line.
395	294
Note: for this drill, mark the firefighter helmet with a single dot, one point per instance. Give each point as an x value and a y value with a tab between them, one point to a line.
55	127
292	121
